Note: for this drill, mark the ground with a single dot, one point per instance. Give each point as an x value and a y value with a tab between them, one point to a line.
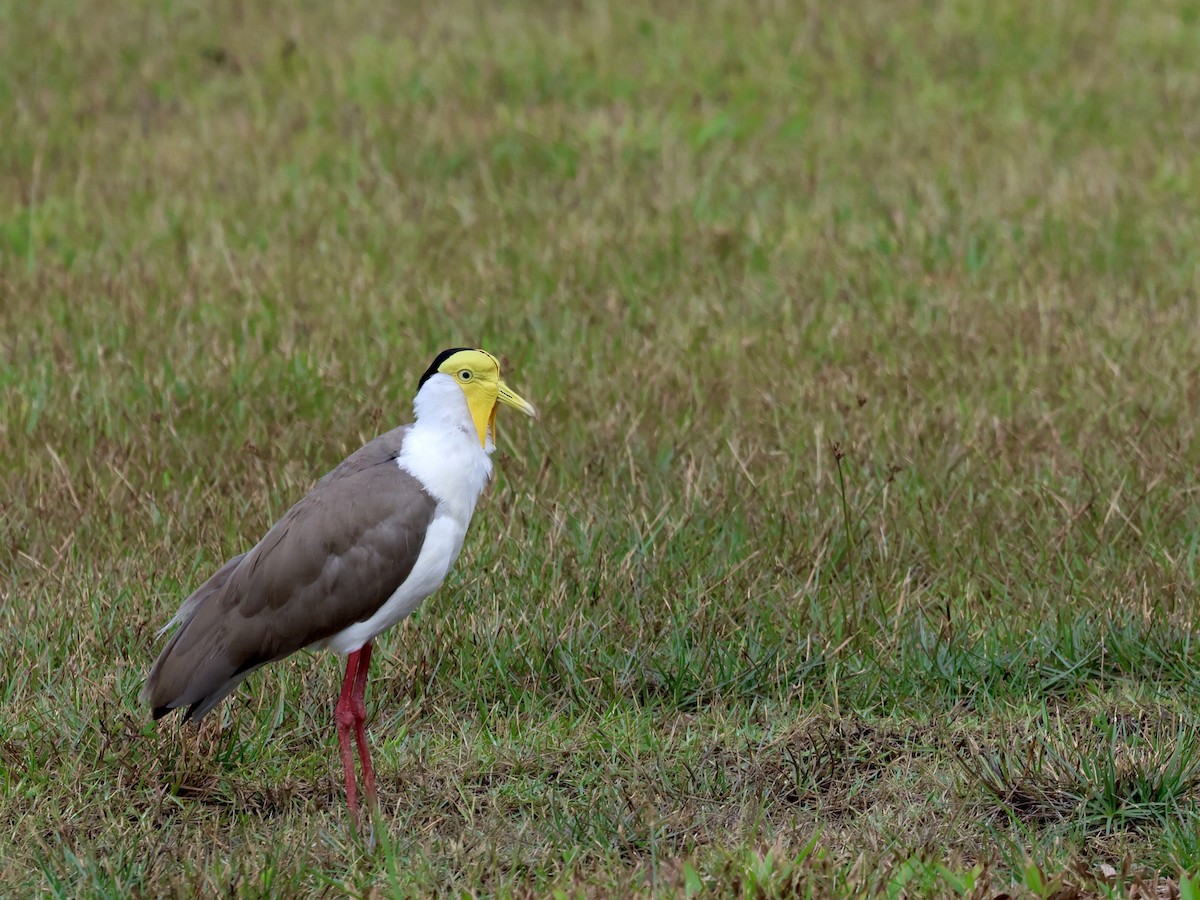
856	547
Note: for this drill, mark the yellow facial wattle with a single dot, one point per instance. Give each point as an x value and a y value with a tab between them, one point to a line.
478	374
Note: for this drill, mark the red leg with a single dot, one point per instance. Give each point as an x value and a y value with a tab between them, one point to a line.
360	720
345	718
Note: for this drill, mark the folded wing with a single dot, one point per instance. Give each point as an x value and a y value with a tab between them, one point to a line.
334	559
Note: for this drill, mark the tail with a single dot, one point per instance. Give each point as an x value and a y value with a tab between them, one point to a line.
177	674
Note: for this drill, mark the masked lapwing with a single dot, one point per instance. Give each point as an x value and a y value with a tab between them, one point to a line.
374	538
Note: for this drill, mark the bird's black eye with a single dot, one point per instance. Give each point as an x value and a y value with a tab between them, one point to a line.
464	375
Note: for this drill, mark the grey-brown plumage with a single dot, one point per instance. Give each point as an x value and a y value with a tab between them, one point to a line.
333	560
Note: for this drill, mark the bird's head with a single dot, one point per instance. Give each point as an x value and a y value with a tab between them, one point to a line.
477	374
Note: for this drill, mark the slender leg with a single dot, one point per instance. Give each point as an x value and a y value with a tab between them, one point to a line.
345	718
360	718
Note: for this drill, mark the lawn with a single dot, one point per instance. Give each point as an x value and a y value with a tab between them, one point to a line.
856	547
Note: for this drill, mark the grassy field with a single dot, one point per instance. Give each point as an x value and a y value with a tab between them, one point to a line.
857	545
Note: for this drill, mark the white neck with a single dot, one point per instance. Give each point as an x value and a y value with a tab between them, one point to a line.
441	449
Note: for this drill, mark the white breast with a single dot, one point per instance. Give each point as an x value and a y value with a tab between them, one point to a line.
443	453
452	467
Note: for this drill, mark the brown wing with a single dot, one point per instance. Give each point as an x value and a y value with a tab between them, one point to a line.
331	561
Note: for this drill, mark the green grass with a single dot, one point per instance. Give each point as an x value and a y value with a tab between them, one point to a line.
856	548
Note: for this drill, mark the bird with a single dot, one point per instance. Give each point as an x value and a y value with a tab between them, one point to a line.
375	537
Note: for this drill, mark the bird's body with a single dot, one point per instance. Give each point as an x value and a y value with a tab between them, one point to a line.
375	537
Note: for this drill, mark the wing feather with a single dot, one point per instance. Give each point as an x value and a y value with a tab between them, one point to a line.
334	559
